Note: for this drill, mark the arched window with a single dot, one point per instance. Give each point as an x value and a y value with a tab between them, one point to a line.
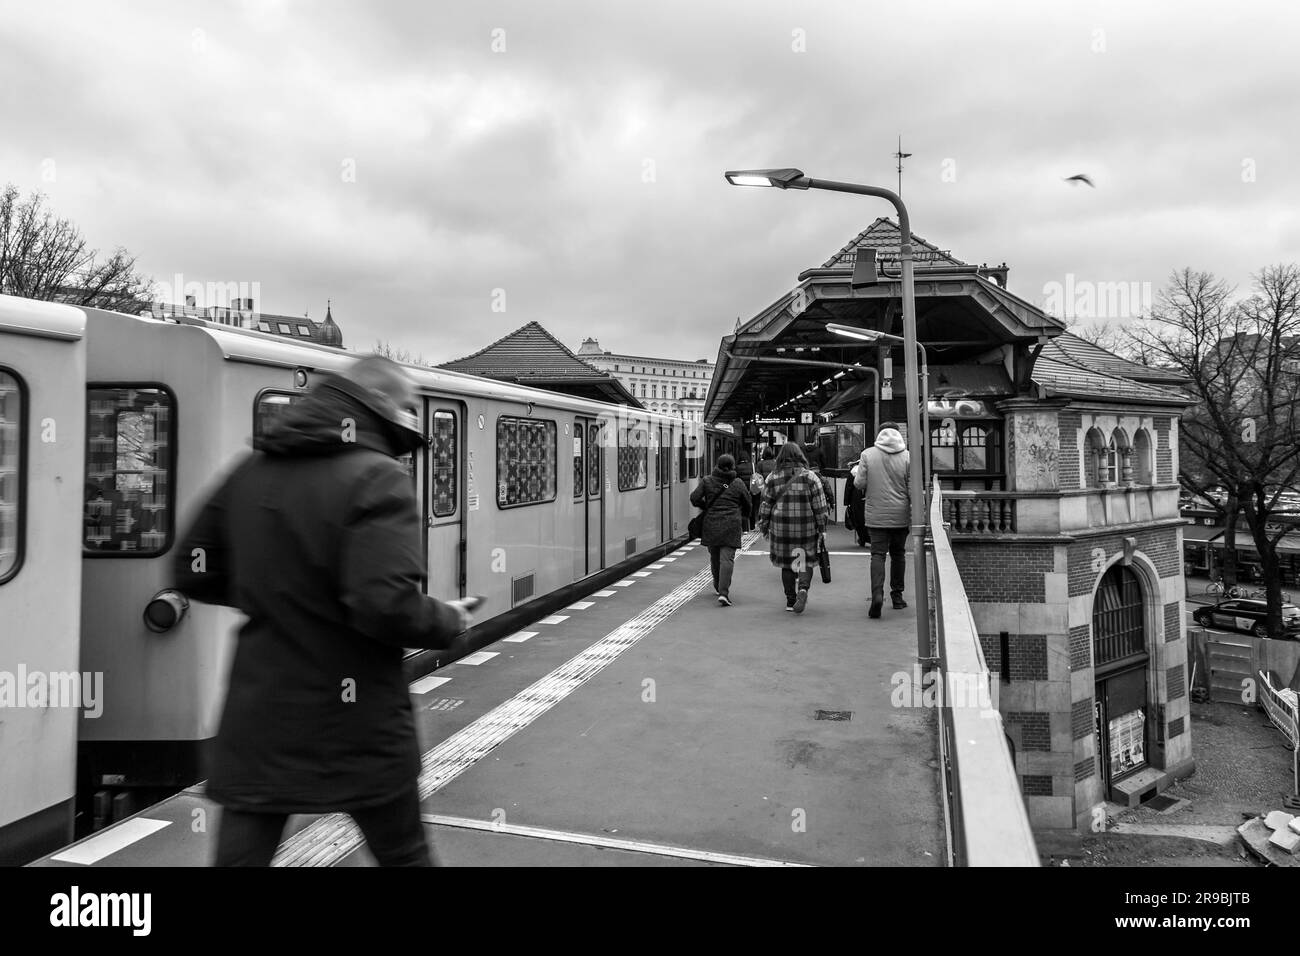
1142	470
1118	619
1095	456
1119	457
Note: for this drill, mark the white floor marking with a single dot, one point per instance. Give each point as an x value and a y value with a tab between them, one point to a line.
330	838
101	845
426	684
606	842
604	593
520	637
667	560
554	619
625	583
580	606
655	567
477	658
642	574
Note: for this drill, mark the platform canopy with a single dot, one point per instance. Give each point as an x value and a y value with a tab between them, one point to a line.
965	316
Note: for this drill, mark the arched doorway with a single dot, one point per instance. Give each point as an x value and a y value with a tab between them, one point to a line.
1120	658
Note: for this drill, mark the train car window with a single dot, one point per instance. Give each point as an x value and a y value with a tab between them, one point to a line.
269	407
443	464
579	472
526	461
682	460
593	461
11	473
130	434
633	456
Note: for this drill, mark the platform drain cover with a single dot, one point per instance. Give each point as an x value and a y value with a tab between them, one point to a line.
834	715
1160	802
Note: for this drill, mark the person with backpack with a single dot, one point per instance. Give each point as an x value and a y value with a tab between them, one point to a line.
725	500
883	479
793	516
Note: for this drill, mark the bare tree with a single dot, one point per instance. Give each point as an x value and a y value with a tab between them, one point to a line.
397	354
46	257
1244	432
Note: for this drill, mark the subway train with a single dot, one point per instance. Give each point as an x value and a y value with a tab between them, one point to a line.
113	429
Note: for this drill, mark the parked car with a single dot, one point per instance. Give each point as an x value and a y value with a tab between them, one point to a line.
1249	616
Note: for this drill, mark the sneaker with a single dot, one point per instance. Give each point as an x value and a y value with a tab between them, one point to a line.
789	606
874	610
801	601
899	603
724	600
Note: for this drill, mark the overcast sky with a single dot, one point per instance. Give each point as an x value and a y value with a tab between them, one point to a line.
408	160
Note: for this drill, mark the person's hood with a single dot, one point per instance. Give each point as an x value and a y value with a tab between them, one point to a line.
329	420
726	477
890	441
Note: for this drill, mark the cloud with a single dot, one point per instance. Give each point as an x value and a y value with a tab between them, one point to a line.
407	159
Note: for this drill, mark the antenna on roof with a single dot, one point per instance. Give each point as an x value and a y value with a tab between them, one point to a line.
900	156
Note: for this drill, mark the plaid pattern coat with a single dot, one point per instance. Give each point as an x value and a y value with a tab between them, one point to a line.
793	523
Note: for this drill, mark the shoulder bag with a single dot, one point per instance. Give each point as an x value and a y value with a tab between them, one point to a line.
696	527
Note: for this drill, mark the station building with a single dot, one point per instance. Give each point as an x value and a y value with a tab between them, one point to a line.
1057	463
668	386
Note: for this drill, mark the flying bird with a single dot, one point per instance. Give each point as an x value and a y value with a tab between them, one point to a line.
1080	178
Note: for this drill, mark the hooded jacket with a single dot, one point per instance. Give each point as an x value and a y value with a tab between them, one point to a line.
315	537
723	522
882	477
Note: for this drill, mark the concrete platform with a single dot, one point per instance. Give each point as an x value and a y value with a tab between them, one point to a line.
654	727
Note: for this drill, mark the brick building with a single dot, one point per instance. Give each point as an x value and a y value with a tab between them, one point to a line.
1058	467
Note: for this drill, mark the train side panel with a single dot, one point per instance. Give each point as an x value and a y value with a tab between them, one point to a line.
41	448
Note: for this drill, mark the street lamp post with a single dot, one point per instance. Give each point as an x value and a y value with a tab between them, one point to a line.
795	179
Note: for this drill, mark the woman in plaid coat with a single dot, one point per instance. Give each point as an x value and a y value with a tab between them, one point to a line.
793	516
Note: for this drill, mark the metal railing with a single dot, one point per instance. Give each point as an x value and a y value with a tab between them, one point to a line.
988	824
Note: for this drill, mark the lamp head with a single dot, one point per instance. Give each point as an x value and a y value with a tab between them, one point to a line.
780	178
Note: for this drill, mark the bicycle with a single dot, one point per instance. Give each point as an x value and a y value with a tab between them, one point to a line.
1217	587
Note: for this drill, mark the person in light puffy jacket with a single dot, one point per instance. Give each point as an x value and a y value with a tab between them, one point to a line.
882	477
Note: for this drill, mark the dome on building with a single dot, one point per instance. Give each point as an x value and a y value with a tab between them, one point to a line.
330	334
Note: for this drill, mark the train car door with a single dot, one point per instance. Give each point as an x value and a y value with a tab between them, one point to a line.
663	478
588	496
444	497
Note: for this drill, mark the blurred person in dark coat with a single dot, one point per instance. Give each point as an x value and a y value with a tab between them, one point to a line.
315	536
728	499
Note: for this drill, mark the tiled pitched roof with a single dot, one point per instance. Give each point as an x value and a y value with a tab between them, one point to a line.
1071	349
884	236
1068	378
530	355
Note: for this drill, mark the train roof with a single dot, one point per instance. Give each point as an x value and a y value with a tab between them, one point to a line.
51	320
247	345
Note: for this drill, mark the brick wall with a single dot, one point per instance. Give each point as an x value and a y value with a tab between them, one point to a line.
1068	425
1164	453
1160	545
1085	768
1080	647
1004	573
1173	621
1036	786
1034	729
991	645
1176	682
1082	719
1027	655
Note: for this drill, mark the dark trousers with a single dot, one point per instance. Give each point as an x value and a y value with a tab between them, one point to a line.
891	541
393	832
791	579
722	560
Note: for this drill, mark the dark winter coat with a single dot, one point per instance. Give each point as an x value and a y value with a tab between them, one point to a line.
793	514
724	521
317	540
